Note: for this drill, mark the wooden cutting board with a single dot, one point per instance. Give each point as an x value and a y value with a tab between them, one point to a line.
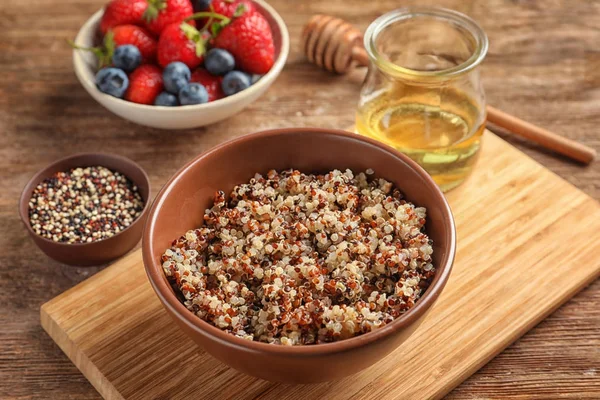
527	242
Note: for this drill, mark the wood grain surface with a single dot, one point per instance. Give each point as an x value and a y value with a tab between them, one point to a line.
543	66
513	267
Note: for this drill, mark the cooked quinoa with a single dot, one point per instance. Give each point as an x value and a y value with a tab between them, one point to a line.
299	259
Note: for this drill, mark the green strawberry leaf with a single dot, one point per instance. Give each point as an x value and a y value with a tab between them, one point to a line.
190	32
109	43
103	55
153	9
208	14
216	28
200	48
196	36
240	10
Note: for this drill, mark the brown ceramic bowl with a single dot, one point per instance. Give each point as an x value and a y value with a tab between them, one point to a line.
180	206
102	251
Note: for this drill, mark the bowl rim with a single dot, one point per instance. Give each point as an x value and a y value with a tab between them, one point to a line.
171	302
80	65
36	179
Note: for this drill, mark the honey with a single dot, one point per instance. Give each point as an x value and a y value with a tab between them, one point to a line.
444	140
423	93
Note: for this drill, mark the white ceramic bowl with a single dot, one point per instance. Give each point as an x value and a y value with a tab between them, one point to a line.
183	117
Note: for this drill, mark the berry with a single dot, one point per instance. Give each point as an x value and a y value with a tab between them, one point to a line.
112	81
121	12
194	93
219	61
161	13
250	40
176	76
229	7
166	99
181	42
235	81
202	5
145	84
137	36
127	57
211	83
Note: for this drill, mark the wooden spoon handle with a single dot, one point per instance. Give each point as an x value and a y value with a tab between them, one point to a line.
544	138
359	54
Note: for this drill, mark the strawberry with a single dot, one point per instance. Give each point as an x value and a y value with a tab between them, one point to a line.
249	38
145	84
181	42
120	12
161	13
210	82
228	7
137	36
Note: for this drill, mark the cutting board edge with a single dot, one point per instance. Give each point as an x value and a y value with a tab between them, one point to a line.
508	145
94	376
511	339
103	274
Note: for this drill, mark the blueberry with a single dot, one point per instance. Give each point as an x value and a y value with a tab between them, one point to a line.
112	81
219	61
166	99
235	81
255	78
127	57
176	76
194	93
202	5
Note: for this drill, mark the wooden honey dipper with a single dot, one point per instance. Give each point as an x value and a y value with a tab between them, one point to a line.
336	45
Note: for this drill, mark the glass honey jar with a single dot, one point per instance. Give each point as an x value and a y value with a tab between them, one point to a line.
423	93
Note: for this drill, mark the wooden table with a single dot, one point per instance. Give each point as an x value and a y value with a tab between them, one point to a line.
543	66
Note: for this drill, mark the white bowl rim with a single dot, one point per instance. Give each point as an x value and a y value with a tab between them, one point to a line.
79	64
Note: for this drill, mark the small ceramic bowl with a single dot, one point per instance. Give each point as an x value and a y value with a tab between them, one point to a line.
102	251
180	206
183	117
